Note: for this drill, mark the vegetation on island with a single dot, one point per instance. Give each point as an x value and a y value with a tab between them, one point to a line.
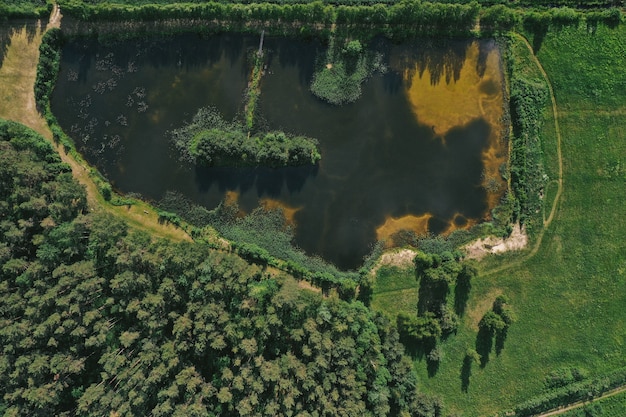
210	140
346	66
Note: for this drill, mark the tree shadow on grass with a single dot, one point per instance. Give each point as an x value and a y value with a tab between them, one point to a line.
539	30
484	343
466	373
417	349
461	296
431	295
432	367
500	339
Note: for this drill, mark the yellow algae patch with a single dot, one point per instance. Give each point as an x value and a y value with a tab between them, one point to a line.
231	198
417	224
456	101
288	211
459	222
452	101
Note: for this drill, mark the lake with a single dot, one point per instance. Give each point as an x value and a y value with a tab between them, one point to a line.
421	149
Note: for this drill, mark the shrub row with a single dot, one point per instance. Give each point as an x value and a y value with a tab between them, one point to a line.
584	4
528	100
18	9
409	16
398	20
579	391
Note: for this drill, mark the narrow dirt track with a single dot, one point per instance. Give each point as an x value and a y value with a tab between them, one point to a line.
579	404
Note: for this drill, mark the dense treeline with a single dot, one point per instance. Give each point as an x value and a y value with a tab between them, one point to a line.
513	3
47	73
528	99
210	140
12	9
97	318
401	18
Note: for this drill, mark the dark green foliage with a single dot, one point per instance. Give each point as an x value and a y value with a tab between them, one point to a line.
528	100
611	18
11	9
96	319
48	67
564	376
47	72
498	18
210	140
345	67
419	329
401	19
494	324
167	217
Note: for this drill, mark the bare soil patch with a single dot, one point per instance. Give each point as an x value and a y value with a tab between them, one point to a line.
478	249
401	258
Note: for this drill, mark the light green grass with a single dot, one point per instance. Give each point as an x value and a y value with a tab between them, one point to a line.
570	297
395	291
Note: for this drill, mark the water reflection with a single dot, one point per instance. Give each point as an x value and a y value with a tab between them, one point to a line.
397	158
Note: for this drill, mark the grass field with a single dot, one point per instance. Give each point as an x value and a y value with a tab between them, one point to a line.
570	297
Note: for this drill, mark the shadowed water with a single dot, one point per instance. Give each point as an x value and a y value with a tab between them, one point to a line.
383	168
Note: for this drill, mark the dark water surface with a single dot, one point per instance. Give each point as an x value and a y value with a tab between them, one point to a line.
379	163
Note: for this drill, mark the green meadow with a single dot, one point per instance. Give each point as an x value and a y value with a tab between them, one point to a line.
569	296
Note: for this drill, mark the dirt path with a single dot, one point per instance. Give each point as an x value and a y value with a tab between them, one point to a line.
579	404
559	192
17	103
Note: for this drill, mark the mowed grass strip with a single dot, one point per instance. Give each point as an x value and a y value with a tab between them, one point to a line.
570	298
395	291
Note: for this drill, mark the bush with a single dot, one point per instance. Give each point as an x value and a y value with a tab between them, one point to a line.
564	376
527	174
498	18
105	190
